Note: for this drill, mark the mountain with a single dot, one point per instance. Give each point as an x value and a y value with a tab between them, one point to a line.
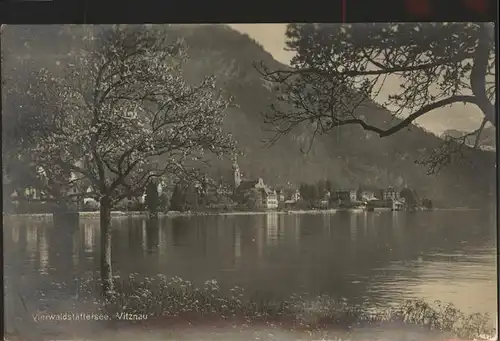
348	156
487	140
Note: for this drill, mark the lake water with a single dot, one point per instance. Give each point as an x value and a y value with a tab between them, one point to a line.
376	259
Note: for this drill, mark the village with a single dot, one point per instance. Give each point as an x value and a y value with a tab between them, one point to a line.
241	194
256	193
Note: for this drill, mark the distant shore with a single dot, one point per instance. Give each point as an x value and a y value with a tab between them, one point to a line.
127	214
143	214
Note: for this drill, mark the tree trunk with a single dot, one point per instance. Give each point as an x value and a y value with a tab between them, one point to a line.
479	73
105	226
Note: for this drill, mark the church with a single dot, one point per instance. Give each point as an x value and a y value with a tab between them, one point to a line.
253	192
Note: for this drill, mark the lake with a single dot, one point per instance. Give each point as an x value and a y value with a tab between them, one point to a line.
374	259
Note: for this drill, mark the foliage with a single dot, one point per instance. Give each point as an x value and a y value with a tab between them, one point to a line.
163	202
178	199
329	186
152	199
324	186
136	205
339	69
302	205
252	198
179	300
90	206
221	199
312	193
309	193
123	104
21	120
411	200
185	197
34	207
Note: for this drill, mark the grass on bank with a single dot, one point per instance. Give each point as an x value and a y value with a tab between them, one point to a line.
174	300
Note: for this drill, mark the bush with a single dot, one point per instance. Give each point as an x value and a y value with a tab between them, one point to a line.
36	207
160	296
90	206
163	203
302	205
136	206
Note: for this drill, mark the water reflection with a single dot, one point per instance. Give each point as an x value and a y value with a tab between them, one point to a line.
353	227
237	245
15	235
89	231
76	249
43	251
293	228
180	231
271	227
151	233
259	240
365	257
163	240
31	240
143	235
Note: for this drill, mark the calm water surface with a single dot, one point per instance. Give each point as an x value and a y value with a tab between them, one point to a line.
366	258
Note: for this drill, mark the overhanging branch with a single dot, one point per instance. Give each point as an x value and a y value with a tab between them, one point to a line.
283	75
408	120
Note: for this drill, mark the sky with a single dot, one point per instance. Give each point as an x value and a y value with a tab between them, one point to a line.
458	116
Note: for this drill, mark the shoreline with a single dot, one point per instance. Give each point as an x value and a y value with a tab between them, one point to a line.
143	214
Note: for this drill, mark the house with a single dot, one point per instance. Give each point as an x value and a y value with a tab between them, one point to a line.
88	201
397	205
269	198
249	184
31	193
75	190
394	205
389	193
264	196
367	196
288	195
346	197
280	192
292	195
134	200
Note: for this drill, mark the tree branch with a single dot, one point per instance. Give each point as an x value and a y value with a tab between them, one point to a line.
283	75
408	120
479	132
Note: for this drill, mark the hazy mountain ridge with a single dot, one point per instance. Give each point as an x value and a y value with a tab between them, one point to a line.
349	156
487	138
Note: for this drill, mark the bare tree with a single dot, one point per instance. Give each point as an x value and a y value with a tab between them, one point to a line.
339	69
123	116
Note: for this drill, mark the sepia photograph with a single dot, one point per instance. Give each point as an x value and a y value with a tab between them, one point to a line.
249	182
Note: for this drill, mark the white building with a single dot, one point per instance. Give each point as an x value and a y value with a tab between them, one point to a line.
269	198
